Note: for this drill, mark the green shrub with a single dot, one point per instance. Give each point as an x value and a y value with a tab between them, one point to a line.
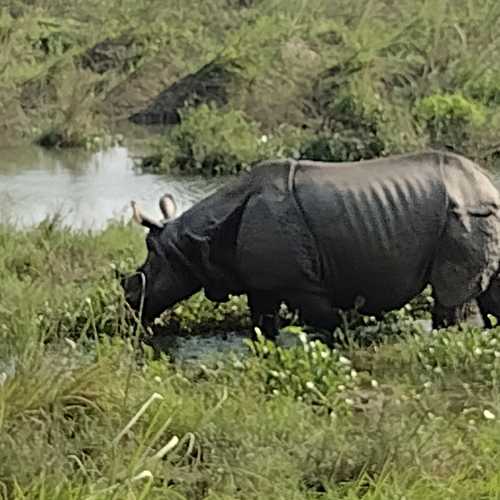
449	118
213	141
287	141
341	147
485	88
350	133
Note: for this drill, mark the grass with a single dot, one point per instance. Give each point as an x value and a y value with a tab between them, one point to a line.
86	415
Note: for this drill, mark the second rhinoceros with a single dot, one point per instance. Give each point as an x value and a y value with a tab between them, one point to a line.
322	237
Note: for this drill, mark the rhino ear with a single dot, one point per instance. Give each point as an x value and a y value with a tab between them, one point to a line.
142	219
167	206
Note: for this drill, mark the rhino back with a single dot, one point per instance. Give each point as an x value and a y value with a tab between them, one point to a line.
377	225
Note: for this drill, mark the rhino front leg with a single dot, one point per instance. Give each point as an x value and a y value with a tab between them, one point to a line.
264	308
315	311
443	316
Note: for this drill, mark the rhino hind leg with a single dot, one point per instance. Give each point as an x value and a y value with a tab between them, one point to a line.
444	316
489	301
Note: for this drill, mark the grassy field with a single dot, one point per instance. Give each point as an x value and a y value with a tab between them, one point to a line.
85	414
227	82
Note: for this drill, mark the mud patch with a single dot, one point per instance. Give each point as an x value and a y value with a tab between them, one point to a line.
214	348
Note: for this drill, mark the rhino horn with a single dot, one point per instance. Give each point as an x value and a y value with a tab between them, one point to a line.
167	206
143	219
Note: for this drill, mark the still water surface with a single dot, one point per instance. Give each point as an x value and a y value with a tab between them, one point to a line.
87	189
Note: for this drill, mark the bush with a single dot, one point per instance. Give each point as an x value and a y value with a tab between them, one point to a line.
449	118
211	140
350	133
341	147
485	89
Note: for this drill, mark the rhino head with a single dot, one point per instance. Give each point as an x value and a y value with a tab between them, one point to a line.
162	280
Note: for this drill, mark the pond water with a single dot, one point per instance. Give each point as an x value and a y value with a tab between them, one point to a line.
87	189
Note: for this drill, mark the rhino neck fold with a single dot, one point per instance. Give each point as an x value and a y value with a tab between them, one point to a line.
188	266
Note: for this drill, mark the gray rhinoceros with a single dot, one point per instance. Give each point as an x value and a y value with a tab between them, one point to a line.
323	237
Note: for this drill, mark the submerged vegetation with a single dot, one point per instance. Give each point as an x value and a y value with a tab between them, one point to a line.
229	82
392	412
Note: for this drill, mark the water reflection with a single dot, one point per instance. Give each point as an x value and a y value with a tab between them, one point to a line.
87	189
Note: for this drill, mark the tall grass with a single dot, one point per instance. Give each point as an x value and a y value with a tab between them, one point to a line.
86	415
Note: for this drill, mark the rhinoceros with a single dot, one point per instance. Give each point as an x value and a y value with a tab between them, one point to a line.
326	237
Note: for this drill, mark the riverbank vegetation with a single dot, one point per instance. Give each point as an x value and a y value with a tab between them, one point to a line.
392	412
228	82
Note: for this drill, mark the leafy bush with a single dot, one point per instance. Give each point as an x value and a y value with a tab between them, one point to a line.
486	88
349	133
211	140
341	147
288	141
449	118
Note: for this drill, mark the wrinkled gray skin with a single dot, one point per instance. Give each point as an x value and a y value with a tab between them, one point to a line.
324	237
